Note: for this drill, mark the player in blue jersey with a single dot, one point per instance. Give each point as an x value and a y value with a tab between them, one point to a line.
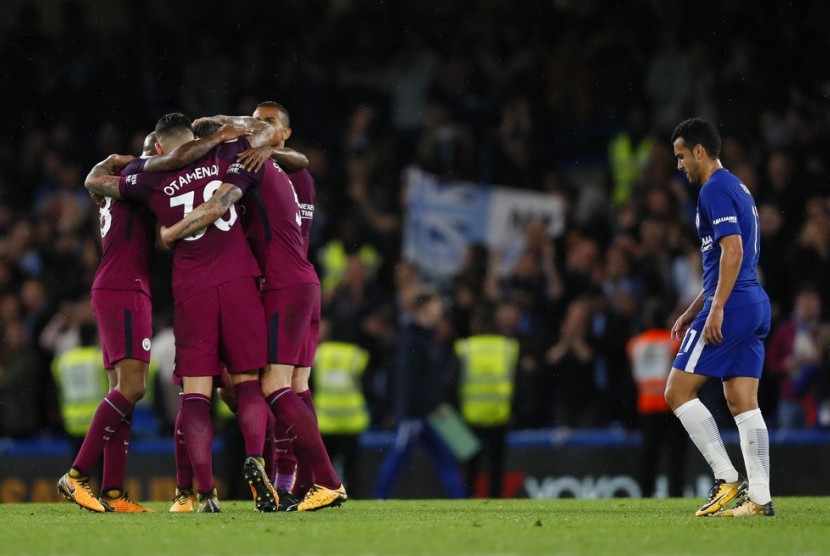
723	329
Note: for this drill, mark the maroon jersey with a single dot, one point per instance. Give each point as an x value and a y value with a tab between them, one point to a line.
127	236
274	226
306	195
214	255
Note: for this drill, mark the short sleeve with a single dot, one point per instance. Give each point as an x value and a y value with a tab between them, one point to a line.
237	175
133	167
137	187
722	210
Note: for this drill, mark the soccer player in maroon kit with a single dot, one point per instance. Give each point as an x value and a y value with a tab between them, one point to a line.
289	488
291	293
123	309
218	314
287	159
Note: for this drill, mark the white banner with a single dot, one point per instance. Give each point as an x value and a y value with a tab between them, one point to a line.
443	217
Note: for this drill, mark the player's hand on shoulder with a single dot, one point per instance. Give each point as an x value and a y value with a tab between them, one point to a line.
118	161
253	159
229	132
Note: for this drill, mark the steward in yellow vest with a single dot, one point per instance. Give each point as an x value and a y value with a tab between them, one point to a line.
82	384
342	413
488	363
338	394
629	153
488	367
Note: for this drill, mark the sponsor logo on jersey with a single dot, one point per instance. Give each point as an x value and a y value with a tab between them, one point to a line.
730	219
306	211
235	168
706	244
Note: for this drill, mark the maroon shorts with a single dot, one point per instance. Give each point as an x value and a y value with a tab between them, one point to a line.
125	324
293	315
221	324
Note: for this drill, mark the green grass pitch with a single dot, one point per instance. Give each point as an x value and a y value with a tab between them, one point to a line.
468	527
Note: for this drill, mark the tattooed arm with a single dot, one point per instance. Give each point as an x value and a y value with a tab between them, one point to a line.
202	216
101	181
192	151
261	133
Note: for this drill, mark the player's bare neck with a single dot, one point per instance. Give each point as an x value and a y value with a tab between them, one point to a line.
708	168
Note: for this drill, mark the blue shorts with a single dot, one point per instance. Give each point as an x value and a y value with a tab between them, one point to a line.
741	353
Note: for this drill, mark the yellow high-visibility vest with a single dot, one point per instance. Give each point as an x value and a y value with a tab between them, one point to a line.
488	368
332	257
338	396
82	384
627	162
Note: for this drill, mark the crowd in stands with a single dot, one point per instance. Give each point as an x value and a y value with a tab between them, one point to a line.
566	98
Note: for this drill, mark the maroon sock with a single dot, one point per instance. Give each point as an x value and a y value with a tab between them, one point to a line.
115	456
286	461
305	396
305	476
112	409
198	436
184	471
299	421
269	453
252	415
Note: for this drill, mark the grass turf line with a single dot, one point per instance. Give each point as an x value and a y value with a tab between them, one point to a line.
464	527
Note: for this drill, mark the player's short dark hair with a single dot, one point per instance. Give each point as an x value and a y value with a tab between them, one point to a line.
172	123
206	128
697	131
286	119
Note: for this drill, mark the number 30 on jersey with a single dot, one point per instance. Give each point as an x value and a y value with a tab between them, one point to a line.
186	200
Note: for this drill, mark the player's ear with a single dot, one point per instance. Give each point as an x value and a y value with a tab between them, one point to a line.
287	133
159	149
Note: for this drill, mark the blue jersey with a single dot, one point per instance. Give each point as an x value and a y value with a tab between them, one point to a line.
725	207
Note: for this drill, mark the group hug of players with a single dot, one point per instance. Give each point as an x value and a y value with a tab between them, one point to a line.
235	206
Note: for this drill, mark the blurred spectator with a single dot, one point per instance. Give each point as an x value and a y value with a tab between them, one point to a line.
571	361
795	358
809	258
18	382
422	385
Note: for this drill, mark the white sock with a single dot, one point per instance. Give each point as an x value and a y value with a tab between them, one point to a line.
703	431
755	447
